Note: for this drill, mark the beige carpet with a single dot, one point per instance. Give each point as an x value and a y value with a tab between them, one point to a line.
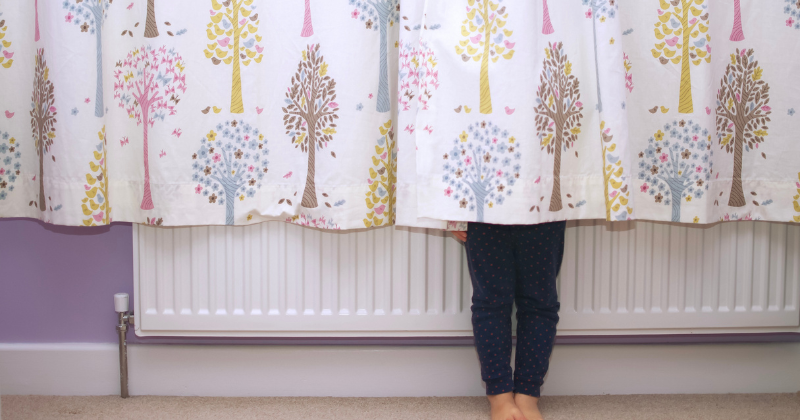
628	407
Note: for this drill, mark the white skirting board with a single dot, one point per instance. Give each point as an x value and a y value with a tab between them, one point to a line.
237	371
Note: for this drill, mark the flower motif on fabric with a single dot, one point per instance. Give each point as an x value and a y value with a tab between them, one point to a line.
481	172
228	174
10	164
681	171
792	8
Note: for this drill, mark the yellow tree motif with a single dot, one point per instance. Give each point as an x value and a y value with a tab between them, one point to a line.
616	194
381	200
482	42
96	204
682	31
236	23
797	200
5	55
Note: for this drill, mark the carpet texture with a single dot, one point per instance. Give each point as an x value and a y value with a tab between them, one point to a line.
608	407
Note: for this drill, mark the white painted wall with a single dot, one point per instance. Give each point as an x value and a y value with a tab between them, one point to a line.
78	369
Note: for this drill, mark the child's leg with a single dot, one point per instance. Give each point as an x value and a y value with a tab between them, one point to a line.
491	265
539	250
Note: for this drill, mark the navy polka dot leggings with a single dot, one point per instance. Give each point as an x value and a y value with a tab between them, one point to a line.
514	264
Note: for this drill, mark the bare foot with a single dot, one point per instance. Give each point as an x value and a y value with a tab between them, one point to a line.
529	406
504	408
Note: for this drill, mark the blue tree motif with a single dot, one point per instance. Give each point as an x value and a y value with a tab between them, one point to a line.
9	164
792	8
230	165
90	15
603	10
379	15
678	168
482	167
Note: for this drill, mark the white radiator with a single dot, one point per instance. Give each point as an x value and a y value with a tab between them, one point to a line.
277	279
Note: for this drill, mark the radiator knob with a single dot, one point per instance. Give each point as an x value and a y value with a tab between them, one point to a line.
121	302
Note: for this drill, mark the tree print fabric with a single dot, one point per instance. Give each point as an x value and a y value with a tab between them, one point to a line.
558	112
230	165
89	16
231	36
310	114
358	114
664	110
381	196
742	114
229	112
379	16
43	119
142	83
682	30
677	166
485	40
482	168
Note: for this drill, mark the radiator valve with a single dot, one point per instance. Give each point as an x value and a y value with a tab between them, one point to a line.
125	319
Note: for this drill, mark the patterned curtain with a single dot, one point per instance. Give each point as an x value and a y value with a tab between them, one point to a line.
536	111
347	114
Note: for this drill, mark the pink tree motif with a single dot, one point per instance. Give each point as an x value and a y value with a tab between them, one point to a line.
428	75
147	77
308	27
418	75
547	26
409	79
737	34
36	7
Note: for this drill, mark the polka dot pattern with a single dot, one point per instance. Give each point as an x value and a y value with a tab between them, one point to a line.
514	264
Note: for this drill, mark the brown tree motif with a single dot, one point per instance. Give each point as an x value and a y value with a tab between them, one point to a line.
150	25
558	111
742	114
43	117
310	116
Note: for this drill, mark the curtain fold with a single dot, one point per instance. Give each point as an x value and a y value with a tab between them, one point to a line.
354	114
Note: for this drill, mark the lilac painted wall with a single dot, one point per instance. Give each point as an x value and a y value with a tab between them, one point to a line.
57	283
